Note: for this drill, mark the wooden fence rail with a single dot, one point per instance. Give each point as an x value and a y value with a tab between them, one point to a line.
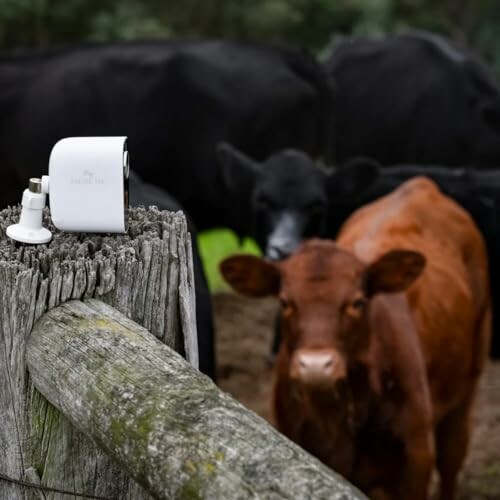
166	424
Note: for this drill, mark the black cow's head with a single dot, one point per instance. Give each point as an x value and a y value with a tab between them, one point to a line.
288	194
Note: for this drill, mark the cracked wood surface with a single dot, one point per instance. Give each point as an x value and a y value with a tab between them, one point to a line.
168	425
146	274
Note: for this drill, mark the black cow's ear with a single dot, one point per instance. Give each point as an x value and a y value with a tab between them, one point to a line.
352	178
393	272
238	171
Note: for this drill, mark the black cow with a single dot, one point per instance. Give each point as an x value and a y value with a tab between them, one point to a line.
290	198
414	98
174	101
142	193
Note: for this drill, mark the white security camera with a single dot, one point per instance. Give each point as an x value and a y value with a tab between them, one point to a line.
88	189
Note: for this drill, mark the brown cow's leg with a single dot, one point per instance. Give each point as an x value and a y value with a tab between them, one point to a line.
452	438
420	463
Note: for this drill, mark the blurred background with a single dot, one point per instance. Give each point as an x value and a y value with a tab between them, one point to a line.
311	24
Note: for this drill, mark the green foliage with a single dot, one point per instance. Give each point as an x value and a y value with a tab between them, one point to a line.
126	21
214	246
306	23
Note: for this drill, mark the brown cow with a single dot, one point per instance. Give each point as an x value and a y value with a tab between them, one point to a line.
351	384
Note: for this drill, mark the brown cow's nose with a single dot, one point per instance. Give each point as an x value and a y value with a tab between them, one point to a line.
316	366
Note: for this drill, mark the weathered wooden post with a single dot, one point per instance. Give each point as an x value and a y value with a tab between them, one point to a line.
146	275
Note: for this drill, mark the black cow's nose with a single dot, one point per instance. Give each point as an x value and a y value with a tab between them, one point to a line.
277	253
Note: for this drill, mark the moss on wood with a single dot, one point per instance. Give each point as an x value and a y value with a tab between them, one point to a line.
168	425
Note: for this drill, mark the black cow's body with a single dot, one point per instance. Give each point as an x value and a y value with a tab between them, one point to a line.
414	98
142	193
174	101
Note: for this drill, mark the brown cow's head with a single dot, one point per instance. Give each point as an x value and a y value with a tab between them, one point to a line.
325	297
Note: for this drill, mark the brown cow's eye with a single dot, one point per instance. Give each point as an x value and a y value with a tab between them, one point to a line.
284	302
286	306
359	303
355	308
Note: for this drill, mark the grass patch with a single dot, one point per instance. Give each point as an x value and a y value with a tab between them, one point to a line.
217	244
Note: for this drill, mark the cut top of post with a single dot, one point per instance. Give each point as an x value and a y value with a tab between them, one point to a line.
145	273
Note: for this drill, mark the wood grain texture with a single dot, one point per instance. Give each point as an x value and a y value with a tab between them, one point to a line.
168	425
146	274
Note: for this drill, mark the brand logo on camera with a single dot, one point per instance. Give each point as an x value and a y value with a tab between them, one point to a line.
88	178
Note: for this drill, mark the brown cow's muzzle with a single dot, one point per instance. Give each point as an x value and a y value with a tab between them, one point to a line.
318	367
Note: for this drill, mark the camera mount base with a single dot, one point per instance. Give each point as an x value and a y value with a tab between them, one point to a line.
26	235
30	230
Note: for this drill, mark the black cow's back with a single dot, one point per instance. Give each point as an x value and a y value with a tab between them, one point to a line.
414	98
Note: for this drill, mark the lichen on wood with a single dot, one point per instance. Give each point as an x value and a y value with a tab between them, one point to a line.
167	424
146	274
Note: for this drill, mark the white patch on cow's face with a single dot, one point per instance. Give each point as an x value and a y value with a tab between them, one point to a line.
285	236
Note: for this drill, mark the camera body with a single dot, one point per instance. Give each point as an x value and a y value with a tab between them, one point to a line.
88	184
88	189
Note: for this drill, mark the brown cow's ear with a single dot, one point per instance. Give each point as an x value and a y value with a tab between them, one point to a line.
250	275
393	272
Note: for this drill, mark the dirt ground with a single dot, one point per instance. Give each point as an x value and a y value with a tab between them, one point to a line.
244	329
